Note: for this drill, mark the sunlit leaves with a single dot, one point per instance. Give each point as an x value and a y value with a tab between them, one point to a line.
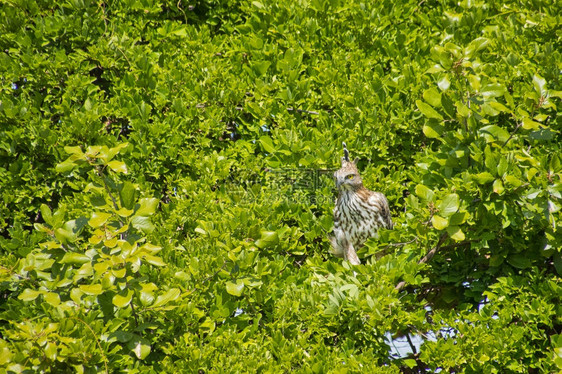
494	133
91	289
439	222
142	223
428	111
146	207
267	239
140	232
235	288
117	166
164	299
424	192
98	219
75	258
123	298
29	294
449	205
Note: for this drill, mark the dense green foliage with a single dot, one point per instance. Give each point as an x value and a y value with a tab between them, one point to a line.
165	178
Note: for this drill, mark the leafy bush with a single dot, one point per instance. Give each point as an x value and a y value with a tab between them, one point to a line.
165	169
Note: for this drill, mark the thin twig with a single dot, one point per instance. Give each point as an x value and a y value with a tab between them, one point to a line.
178	5
214	274
513	133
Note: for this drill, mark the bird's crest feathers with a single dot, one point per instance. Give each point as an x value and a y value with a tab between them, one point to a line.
345	153
345	161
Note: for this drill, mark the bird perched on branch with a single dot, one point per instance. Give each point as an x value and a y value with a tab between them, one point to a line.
359	212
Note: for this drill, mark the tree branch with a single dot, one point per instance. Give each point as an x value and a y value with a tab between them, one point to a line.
429	255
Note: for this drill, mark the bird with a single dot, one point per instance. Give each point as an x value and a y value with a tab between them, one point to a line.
358	214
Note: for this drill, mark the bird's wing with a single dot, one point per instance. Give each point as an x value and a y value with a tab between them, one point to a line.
379	200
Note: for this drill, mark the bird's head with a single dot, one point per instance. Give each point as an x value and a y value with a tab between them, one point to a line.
347	177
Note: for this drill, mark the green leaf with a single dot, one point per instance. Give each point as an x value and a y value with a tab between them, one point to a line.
46	214
261	67
123	298
483	178
439	222
91	289
424	192
496	260
499	107
150	248
433	97
73	150
492	90
147	207
122	336
65	166
428	111
458	218
444	83
455	233
128	193
29	294
497	187
558	262
476	45
142	223
98	219
449	205
235	289
433	129
140	347
519	261
462	110
116	150
208	326
42	228
146	296
52	298
118	166
124	212
411	363
267	144
154	260
529	124
171	295
75	258
492	133
513	181
448	106
268	239
540	85
502	166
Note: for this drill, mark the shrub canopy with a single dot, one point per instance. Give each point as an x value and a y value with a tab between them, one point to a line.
165	172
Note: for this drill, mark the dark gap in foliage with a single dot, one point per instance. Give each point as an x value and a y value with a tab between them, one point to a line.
120	127
103	83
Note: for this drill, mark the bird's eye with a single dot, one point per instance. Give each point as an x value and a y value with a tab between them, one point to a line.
350	176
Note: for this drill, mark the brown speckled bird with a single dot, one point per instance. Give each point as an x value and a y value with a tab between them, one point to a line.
359	212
